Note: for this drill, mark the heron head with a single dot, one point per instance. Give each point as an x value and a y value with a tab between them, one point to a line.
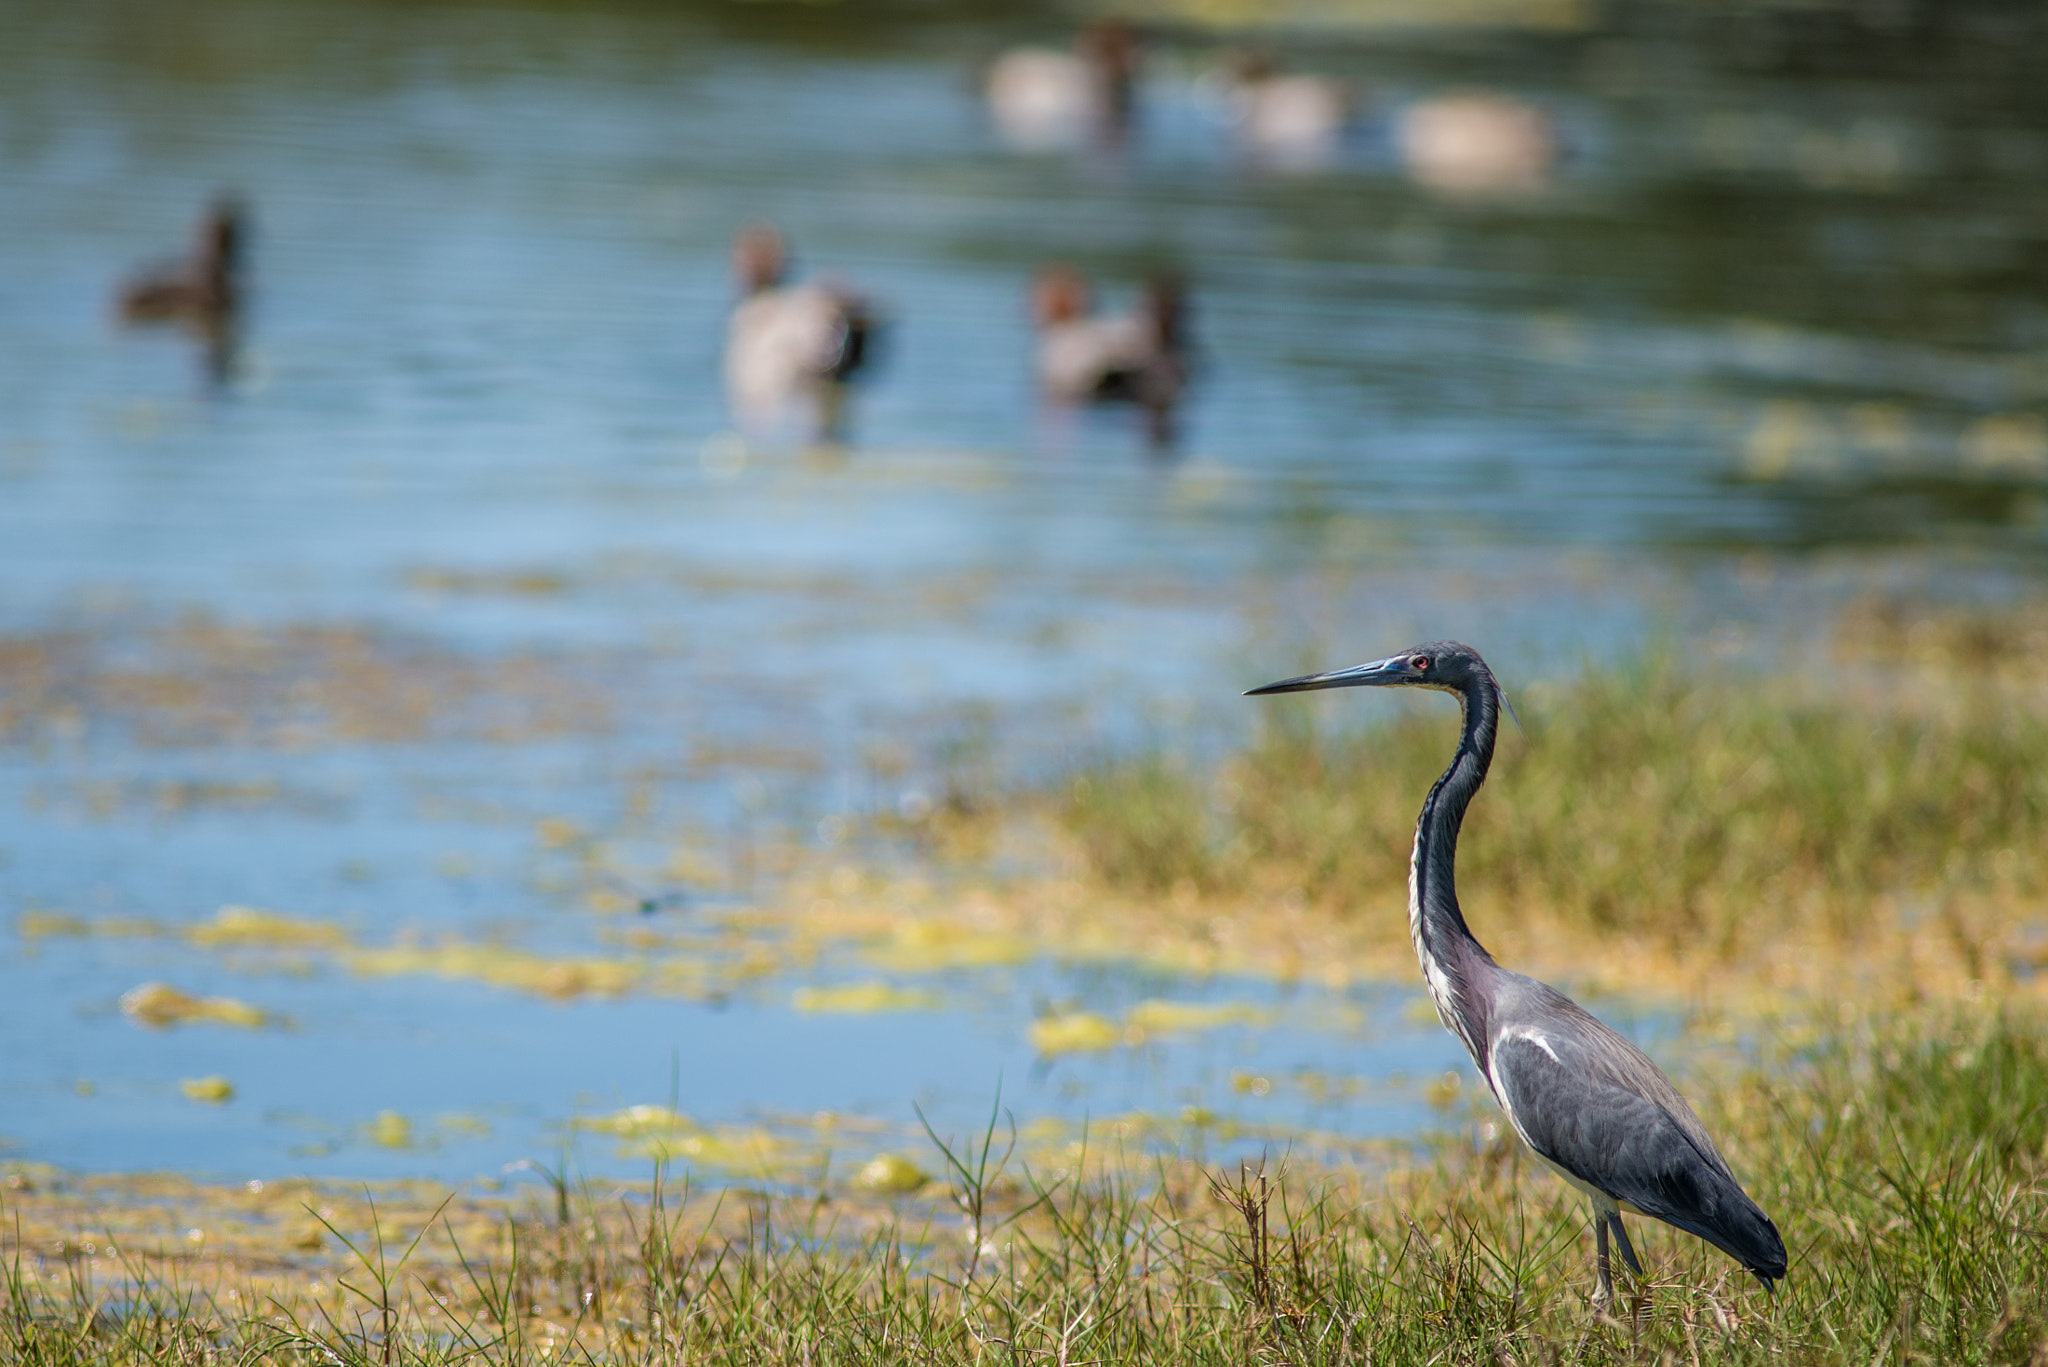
1446	665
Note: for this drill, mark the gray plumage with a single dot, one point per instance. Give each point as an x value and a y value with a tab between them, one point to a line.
1591	1105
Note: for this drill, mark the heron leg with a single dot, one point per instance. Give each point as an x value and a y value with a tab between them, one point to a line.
1628	1253
1603	1290
1641	1303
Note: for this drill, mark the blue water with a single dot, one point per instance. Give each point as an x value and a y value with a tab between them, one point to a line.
1710	384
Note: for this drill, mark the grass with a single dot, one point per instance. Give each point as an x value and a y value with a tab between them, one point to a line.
1717	815
1906	1159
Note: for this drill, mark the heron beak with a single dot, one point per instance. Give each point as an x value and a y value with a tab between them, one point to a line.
1392	670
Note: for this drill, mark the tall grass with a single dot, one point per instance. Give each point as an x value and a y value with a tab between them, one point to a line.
1903	1159
1710	813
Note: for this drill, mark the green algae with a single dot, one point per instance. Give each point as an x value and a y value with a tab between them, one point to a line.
231	927
213	1090
160	1006
661	1133
917	945
37	924
863	999
1072	1032
1157	1017
890	1174
239	927
559	979
390	1130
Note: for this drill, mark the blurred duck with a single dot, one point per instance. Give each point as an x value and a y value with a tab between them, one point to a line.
1477	144
204	292
1042	98
1137	357
790	348
205	286
1288	120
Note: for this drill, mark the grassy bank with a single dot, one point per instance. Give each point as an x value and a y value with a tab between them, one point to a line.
1903	1159
1715	816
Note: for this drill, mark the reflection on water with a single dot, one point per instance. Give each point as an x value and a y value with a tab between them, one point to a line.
462	590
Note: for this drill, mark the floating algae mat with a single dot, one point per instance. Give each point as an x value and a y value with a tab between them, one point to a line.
159	1005
779	1045
753	1040
212	1090
861	998
1083	1031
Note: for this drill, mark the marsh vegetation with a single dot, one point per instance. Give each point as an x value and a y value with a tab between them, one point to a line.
1884	788
1886	1100
1903	1156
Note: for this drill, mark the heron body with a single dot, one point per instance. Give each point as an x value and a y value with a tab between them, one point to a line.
1588	1103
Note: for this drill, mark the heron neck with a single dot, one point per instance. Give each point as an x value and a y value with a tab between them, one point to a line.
1452	960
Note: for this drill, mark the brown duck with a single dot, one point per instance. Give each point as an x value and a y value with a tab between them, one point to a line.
206	287
790	347
1138	357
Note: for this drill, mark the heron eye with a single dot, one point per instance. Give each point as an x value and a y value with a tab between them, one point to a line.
1420	662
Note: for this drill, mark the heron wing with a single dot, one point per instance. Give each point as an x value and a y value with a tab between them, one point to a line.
1566	1100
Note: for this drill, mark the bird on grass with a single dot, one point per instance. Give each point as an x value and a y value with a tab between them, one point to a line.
1139	356
791	347
1590	1105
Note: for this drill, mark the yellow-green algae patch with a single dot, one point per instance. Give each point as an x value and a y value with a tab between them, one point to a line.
398	1131
159	1006
231	927
919	945
238	927
389	1130
662	1133
39	924
213	1090
1158	1017
1074	1032
891	1174
561	979
862	999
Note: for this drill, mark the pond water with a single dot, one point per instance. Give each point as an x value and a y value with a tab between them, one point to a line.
463	576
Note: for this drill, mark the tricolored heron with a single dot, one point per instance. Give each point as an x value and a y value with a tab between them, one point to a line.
1590	1104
